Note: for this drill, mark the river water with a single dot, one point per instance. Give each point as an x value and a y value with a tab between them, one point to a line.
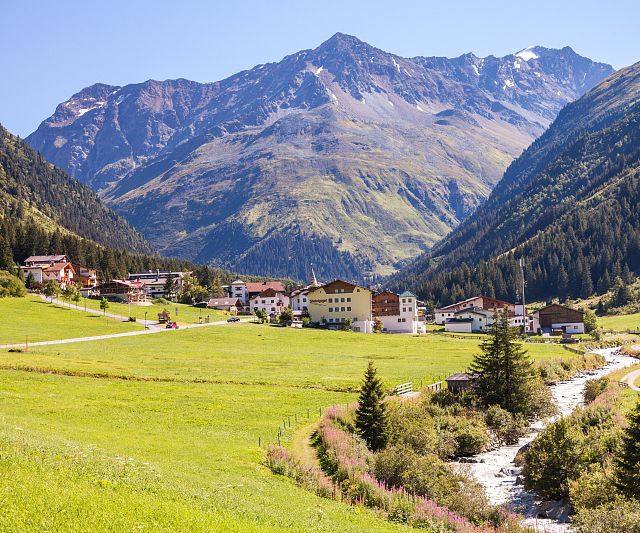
496	470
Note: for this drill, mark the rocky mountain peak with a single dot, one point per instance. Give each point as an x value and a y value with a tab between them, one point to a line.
248	155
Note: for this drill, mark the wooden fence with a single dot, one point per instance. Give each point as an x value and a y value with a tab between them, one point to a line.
404	388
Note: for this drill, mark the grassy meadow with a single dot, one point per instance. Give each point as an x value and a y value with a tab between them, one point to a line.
161	431
41	321
620	322
187	314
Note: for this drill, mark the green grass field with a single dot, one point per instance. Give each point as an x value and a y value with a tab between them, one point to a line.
260	354
620	323
187	314
41	321
105	453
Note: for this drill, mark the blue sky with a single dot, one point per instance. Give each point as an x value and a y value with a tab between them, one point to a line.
52	49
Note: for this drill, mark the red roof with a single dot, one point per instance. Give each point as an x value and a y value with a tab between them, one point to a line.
259	286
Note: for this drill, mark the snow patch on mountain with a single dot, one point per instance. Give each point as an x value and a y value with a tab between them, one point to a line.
527	53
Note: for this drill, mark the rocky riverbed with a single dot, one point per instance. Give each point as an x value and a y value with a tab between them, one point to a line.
496	470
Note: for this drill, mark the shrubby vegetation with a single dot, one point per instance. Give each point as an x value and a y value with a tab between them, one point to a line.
593	458
11	285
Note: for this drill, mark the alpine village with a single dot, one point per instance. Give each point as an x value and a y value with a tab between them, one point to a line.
344	290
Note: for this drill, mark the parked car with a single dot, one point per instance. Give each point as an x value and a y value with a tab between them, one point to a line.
233	319
201	305
171	325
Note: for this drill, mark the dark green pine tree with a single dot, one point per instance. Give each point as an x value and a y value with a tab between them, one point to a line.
503	368
371	416
487	366
6	257
517	371
628	461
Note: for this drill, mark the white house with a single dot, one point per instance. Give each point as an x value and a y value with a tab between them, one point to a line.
300	300
475	320
232	305
477	302
271	300
238	289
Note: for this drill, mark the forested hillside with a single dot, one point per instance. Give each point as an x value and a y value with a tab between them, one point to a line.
45	211
569	205
30	187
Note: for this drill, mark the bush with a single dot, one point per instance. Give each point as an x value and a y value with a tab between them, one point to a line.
594	388
471	437
11	286
507	428
620	515
591	489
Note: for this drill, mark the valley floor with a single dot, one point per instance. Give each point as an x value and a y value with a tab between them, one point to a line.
162	431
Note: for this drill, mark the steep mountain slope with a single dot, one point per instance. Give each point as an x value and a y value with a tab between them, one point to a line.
343	156
32	187
45	211
570	205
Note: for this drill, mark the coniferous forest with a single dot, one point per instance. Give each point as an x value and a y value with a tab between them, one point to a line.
569	205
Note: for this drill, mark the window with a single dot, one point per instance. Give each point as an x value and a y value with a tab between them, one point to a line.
348	308
331	309
399	320
404	319
342	309
304	300
404	309
272	301
348	299
330	300
342	299
264	301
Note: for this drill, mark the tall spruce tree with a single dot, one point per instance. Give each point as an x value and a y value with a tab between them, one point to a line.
503	369
628	461
371	416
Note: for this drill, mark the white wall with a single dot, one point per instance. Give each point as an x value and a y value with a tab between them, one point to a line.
458	327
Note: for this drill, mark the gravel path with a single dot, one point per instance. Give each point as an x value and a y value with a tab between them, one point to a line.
496	470
631	378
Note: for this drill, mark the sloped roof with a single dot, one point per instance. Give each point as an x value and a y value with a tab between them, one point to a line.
259	286
223	301
45	258
408	294
57	267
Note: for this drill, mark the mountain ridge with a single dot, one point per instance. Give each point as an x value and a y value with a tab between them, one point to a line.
568	205
372	155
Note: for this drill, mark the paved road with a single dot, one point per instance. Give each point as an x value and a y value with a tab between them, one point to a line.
631	378
153	328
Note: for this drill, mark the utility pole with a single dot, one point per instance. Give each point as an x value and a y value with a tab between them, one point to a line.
524	305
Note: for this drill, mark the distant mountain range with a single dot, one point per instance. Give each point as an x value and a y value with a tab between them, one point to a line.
345	156
570	206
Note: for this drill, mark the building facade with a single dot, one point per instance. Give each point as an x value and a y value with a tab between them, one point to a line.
155	283
398	313
334	302
272	301
558	318
232	305
477	302
125	291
